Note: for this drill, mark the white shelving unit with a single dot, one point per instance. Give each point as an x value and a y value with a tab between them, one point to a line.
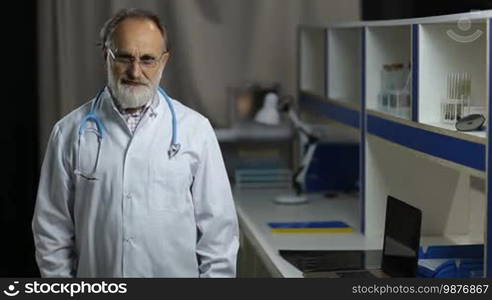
385	45
415	157
442	54
450	204
312	60
344	64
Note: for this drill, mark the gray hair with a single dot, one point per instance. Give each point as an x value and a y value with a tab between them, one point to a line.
106	33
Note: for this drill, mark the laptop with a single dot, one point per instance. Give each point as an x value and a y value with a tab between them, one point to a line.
398	258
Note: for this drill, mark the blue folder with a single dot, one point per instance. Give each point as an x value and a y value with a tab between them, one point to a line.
313	224
453	251
451	261
310	227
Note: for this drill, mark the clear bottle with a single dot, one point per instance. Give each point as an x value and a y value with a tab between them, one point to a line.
385	87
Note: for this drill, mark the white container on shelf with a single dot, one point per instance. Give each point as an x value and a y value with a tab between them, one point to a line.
395	102
394	97
454	109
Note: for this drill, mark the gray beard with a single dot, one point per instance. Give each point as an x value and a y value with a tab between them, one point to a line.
131	97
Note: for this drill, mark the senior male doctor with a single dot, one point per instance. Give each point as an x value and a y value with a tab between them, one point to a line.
133	183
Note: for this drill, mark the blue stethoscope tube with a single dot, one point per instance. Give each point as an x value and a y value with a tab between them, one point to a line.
100	129
175	146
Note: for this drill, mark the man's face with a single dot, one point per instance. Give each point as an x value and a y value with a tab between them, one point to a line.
135	72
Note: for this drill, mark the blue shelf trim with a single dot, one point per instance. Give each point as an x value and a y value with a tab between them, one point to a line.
326	62
335	112
415	72
362	151
488	267
460	151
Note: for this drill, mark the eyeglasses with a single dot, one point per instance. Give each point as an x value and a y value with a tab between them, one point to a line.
146	61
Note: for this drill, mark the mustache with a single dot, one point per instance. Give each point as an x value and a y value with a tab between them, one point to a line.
134	82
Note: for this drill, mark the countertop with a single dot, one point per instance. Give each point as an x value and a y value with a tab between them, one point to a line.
256	207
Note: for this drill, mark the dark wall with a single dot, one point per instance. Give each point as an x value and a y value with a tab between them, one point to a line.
19	141
391	9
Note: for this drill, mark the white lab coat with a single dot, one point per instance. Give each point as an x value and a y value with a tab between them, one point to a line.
146	215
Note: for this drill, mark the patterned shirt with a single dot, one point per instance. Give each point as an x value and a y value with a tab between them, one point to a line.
132	118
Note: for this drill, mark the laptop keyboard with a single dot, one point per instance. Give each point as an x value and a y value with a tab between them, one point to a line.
356	274
309	261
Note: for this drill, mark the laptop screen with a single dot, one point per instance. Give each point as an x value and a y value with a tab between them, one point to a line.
401	239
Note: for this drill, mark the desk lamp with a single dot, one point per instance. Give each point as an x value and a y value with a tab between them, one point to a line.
269	115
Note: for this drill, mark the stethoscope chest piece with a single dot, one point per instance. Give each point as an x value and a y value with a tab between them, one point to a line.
173	150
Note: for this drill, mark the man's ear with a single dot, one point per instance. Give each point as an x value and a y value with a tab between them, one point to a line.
165	58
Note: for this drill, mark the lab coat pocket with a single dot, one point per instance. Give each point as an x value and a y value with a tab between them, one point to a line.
170	184
86	188
89	149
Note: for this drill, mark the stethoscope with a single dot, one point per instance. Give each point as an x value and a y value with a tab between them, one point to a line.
100	130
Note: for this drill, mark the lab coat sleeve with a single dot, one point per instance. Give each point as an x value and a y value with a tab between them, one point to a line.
218	233
52	224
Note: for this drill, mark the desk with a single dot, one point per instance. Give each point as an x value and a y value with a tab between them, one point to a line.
259	255
254	131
